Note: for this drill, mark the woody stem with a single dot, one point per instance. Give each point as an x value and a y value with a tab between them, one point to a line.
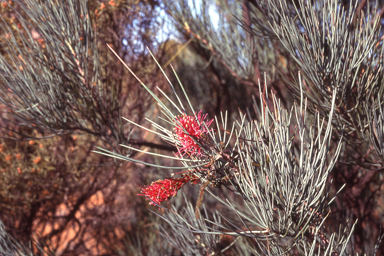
200	199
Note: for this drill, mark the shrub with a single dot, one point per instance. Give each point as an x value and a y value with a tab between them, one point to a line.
300	174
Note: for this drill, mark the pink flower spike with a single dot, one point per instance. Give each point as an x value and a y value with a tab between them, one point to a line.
194	128
161	190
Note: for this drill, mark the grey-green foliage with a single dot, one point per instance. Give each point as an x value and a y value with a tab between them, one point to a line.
7	245
50	71
279	165
189	234
227	40
10	247
51	80
336	45
286	194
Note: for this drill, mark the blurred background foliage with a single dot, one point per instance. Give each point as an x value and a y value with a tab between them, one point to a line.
67	200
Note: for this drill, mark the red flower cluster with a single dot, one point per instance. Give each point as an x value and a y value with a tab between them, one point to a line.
162	190
195	128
